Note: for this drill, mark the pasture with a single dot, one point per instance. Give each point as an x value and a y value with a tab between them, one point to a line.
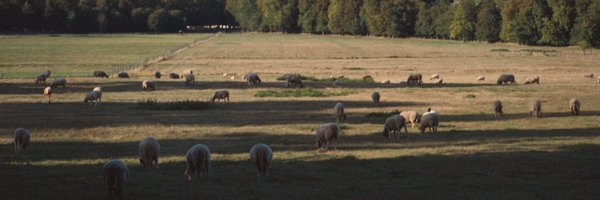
473	156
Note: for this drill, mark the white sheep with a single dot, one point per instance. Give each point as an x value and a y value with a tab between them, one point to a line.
99	90
149	151
386	82
532	80
434	77
198	161
481	78
115	174
394	124
339	112
261	156
186	73
412	117
535	108
148	85
22	138
327	134
575	106
48	93
431	120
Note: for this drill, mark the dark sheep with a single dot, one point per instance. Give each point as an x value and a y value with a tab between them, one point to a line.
100	74
498	108
327	134
174	76
415	79
506	79
123	74
115	174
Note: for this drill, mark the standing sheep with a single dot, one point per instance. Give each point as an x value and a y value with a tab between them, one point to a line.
434	77
190	79
414	79
535	107
186	73
59	82
498	108
575	106
198	161
100	74
261	156
123	74
532	80
93	96
99	90
220	95
48	93
148	85
115	174
375	96
368	79
429	120
339	112
47	73
481	78
157	74
294	80
506	79
174	76
252	79
412	117
149	151
41	79
394	124
327	134
22	138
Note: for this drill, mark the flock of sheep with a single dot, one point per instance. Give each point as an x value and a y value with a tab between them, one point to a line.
198	157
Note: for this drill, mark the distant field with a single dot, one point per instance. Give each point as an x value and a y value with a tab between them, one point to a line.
474	156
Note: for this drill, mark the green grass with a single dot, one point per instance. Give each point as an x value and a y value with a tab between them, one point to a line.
302	92
382	115
470	96
500	50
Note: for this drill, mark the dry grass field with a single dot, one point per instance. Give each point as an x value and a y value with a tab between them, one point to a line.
473	156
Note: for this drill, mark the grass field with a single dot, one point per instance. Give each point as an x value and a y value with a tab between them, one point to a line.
474	156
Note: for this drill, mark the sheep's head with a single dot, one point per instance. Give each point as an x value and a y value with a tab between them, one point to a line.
386	133
319	144
189	174
422	129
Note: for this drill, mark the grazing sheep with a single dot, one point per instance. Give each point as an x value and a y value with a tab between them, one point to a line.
294	80
232	77
115	174
412	117
589	75
326	134
386	82
575	106
186	73
148	85
375	96
123	74
506	79
47	73
261	156
440	81
339	112
394	124
41	79
22	138
99	90
174	76
368	79
532	80
429	120
535	107
157	74
220	95
481	78
414	79
252	79
190	79
48	93
225	75
198	161
93	96
149	151
498	108
434	77
59	82
100	74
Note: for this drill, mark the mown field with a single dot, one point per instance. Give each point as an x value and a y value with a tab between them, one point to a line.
474	156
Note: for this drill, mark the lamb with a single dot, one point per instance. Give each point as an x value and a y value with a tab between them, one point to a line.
157	74
220	95
252	79
174	76
591	75
93	96
375	96
498	108
339	112
532	80
48	93
412	117
115	174
190	79
434	77
575	106
148	85
535	107
394	124
41	79
294	80
261	156
481	78
100	74
123	74
326	134
414	79
22	138
198	161
149	151
506	79
186	73
59	82
429	120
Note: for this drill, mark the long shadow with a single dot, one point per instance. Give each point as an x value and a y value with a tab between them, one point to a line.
511	116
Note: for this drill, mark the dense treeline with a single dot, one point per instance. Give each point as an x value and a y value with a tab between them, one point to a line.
82	16
532	22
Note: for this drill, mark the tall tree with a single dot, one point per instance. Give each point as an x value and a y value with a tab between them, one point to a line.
463	23
344	17
489	22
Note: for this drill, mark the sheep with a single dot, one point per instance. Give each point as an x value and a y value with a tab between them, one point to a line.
591	75
294	80
481	78
149	151
100	74
326	134
22	138
339	112
148	85
414	79
261	156
506	79
498	108
99	90
220	95
174	76
375	96
123	74
59	82
186	73
431	120
532	80
225	75
394	124
41	79
93	96
157	74
535	107
368	79
337	83
411	116
198	161
47	73
440	81
115	174
575	106
48	93
232	77
252	79
386	82
190	79
434	77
